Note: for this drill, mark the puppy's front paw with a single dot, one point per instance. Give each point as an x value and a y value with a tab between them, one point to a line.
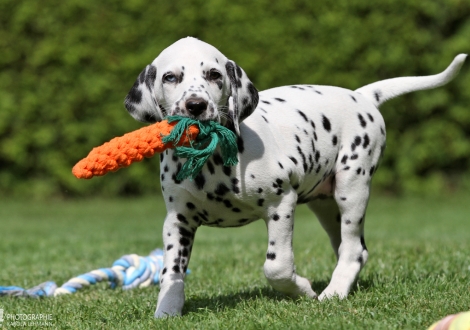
170	300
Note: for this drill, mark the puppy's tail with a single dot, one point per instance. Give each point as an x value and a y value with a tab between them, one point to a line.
382	91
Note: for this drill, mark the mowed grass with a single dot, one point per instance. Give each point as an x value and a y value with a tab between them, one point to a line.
418	269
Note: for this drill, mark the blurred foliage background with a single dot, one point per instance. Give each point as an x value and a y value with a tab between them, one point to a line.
66	66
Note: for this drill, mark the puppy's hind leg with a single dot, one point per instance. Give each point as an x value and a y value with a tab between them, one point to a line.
351	196
329	216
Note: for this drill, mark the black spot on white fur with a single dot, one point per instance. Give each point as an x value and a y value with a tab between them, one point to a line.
326	123
362	121
270	255
377	95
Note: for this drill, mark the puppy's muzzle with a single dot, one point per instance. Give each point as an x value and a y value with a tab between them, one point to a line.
196	106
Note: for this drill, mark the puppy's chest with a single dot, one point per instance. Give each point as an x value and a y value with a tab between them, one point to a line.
215	197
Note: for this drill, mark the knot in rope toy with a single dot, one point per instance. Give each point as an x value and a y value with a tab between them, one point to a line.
191	139
129	272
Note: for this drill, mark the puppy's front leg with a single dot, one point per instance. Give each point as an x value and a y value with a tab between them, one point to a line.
178	237
279	266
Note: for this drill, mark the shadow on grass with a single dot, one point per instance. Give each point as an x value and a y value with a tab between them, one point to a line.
217	303
365	284
231	300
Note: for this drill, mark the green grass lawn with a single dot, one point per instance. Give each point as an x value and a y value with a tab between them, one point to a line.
418	269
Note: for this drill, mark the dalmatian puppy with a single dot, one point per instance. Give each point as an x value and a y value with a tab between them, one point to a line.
300	144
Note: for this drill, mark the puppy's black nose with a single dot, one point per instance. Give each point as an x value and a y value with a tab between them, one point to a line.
196	106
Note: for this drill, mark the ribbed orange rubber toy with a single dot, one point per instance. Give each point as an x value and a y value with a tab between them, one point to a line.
131	147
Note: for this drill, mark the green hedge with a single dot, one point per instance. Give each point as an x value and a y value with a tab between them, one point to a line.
65	67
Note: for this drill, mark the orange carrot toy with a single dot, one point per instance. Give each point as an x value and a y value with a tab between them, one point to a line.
190	138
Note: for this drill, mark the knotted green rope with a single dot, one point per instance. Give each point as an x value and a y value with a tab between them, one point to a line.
210	135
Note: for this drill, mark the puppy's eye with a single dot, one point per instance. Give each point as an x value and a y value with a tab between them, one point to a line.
169	78
214	75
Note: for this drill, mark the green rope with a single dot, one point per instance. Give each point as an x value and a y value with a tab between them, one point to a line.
210	135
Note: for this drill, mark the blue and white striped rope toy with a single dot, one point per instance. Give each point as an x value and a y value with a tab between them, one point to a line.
130	271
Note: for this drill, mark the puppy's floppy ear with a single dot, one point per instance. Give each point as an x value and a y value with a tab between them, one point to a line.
244	96
140	102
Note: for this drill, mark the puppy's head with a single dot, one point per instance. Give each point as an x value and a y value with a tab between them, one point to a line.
192	78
